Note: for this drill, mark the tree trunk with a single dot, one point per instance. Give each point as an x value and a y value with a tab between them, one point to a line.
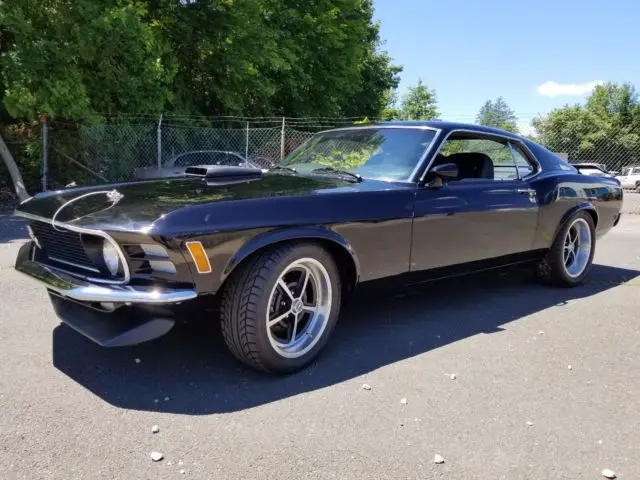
18	183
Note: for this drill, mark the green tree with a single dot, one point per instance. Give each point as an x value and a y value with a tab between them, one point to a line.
277	57
80	59
605	130
84	60
498	114
77	59
419	103
391	110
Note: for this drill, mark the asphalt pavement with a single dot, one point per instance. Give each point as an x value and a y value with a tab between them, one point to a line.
503	378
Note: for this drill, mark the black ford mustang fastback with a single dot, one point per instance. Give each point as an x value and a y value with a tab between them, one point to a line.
279	250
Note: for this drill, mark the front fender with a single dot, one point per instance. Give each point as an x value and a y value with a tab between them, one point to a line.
287	234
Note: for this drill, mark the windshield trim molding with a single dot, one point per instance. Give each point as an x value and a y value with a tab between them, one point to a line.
411	179
425	155
378	126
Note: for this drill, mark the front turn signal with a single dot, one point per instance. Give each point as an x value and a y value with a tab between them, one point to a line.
199	256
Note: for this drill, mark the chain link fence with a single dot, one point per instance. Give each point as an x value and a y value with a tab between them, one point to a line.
120	151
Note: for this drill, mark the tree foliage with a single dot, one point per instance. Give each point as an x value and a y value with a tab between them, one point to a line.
498	114
77	59
80	59
391	110
606	129
84	60
419	103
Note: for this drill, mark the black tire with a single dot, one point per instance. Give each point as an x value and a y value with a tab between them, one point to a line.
245	303
551	269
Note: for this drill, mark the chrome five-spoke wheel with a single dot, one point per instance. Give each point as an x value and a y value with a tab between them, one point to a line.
577	248
279	308
299	307
568	261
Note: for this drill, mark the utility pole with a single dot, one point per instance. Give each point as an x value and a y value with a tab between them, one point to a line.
44	137
159	147
282	141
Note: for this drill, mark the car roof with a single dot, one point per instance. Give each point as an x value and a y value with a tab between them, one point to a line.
443	125
438	124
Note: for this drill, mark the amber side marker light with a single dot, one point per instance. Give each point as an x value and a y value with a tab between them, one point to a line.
199	257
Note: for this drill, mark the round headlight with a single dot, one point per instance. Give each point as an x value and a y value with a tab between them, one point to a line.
111	257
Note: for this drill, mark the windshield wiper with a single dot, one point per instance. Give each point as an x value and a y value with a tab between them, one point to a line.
283	168
355	176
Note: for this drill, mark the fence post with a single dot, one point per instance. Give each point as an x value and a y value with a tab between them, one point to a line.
246	145
159	147
44	136
282	141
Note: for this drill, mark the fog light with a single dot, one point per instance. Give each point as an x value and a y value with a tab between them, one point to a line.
111	257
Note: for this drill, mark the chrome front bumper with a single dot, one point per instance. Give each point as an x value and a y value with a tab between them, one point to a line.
77	289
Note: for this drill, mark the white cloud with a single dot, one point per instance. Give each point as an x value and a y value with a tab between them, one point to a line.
553	89
525	128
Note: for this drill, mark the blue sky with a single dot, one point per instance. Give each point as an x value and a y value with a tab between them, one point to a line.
470	51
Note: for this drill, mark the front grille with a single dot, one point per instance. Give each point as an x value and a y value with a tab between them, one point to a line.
64	247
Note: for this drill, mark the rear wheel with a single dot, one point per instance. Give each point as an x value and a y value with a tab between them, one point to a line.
569	260
279	309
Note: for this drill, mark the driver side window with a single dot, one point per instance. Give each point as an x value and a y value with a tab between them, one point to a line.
483	158
479	158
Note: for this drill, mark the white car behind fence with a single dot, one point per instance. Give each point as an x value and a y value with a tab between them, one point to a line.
630	178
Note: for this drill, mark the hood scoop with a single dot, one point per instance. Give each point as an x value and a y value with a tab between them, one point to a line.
223	173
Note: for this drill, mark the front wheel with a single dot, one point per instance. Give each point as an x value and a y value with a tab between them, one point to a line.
279	309
569	260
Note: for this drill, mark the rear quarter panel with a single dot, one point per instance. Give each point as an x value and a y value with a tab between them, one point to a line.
560	195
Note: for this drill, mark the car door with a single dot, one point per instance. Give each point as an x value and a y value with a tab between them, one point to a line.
487	212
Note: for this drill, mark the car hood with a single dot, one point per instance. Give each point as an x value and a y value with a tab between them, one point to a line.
136	206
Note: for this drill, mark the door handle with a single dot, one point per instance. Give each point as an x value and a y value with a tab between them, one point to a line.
530	192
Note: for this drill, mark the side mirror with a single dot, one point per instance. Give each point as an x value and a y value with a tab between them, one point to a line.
446	170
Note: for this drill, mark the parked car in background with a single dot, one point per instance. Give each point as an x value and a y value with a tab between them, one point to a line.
280	250
176	165
262	161
630	178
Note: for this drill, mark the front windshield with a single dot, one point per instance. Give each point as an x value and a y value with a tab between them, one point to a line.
372	152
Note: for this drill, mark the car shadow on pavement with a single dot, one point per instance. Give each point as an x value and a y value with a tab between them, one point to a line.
189	371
